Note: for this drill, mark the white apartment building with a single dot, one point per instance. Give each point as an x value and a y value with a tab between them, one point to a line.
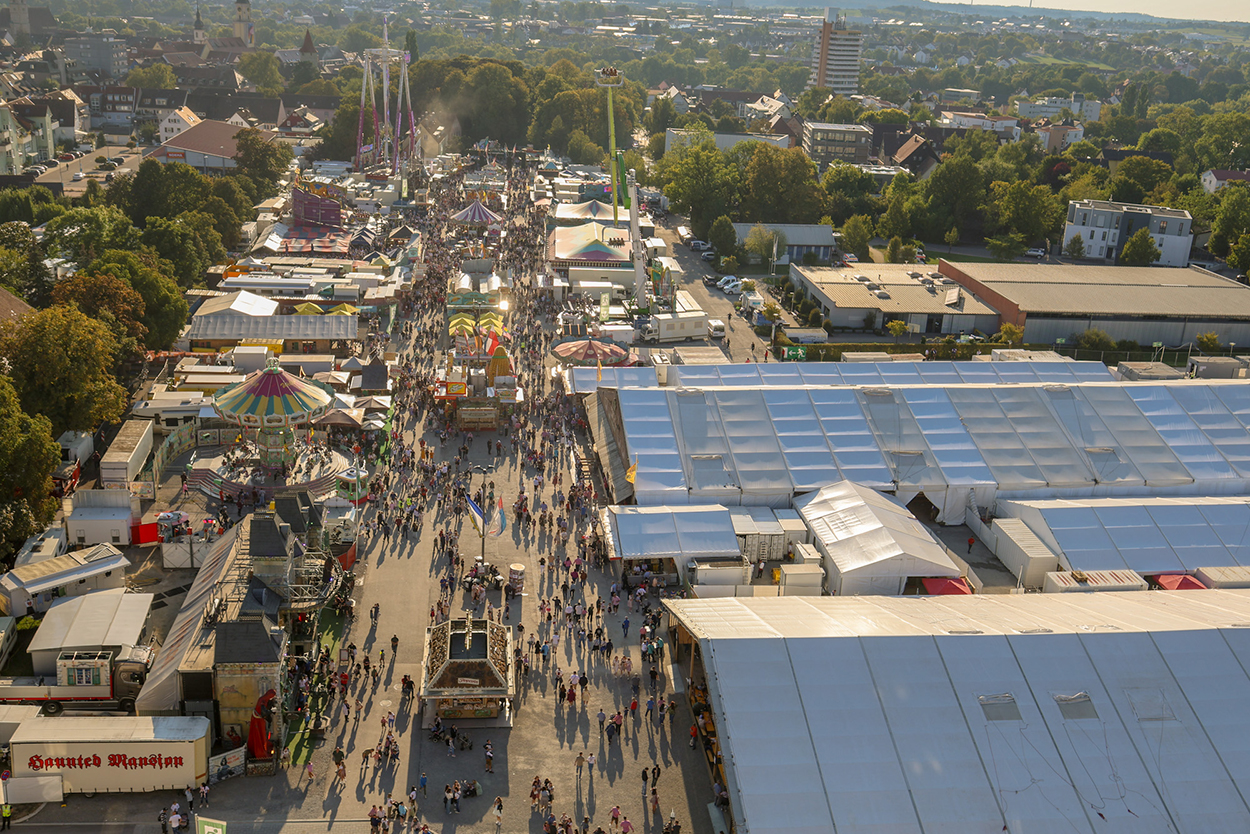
176	122
1084	109
973	120
835	60
1105	226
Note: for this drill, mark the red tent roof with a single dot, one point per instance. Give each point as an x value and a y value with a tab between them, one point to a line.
939	585
1179	582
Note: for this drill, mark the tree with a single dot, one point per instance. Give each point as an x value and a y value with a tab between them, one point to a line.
1029	211
856	235
81	234
765	242
1209	343
164	308
105	298
896	327
306	73
583	151
61	361
500	104
729	265
894	250
1075	248
1010	334
951	237
180	244
1007	246
1139	250
779	186
1095	339
262	71
155	77
722	237
25	271
357	39
662	116
410	46
28	455
894	222
1239	255
1232	219
700	181
262	160
956	190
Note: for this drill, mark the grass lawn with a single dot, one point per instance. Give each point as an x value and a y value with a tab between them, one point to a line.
331	636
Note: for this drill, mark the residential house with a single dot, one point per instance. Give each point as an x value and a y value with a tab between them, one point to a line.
222	107
1085	109
70	113
766	107
103	52
177	122
918	155
1057	136
824	143
677	137
225	50
1110	158
323	107
1105	226
1216	178
1007	127
300	122
225	78
112	108
40	124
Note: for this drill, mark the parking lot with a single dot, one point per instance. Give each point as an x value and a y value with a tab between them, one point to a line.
64	172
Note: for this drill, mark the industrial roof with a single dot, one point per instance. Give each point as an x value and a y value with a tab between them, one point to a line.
232	328
980	714
903	293
1117	291
101	618
38	577
586	380
788	374
71	729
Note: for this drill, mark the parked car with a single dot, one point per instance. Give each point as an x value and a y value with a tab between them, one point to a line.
49	163
732	289
1036	252
78	176
108	177
117	160
708	255
66	157
699	245
711	279
850	259
725	281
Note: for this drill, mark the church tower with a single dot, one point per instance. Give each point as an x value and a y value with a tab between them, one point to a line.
198	36
19	17
243	29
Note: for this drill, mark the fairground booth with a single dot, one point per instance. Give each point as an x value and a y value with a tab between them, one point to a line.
468	671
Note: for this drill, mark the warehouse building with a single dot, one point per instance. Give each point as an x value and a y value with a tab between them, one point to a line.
1143	304
930	303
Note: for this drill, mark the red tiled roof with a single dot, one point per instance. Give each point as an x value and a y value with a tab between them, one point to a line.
208	137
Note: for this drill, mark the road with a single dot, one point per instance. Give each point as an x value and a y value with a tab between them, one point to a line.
64	172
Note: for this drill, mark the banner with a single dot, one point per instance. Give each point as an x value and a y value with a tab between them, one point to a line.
604	301
228	764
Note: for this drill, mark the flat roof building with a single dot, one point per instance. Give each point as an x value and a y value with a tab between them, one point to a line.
929	305
1144	304
1105	226
825	143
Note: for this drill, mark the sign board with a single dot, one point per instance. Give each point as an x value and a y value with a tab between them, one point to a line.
173	154
795	353
1061	341
468	682
231	763
1156	344
203	825
604	301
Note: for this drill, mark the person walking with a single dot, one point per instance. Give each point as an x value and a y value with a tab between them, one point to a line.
162	817
579	763
489	750
422	784
603	716
497	808
204	794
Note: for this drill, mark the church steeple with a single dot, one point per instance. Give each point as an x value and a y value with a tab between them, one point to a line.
243	29
198	35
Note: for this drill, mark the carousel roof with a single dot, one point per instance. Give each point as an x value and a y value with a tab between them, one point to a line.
273	398
476	214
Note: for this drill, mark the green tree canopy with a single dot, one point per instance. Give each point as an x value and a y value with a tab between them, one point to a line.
1030	211
61	361
722	236
1139	250
164	308
99	293
261	159
179	243
765	242
1232	219
1239	255
155	77
856	235
779	186
699	181
262	71
28	455
81	234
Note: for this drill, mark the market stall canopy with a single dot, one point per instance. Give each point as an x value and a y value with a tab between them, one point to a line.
943	586
352	363
352	418
378	403
345	308
273	398
589	210
307	309
590	352
475	214
332	377
1179	582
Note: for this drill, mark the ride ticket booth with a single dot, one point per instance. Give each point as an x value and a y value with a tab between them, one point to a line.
468	671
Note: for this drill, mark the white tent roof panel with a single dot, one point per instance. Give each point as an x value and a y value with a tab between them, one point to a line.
1123	715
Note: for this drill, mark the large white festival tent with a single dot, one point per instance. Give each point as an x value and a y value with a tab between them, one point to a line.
1092	713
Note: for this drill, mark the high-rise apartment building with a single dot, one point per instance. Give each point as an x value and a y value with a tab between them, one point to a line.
835	60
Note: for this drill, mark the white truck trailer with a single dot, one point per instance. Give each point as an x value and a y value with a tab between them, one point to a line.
113	754
126	456
85	680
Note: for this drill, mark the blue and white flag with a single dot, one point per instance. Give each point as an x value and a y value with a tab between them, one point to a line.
477	517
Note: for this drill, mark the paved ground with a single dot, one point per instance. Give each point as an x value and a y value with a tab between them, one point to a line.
544	740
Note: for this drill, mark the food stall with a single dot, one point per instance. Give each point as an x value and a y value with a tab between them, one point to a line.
468	670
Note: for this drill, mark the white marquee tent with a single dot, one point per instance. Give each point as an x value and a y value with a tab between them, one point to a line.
703	533
1090	713
1146	535
959	444
871	543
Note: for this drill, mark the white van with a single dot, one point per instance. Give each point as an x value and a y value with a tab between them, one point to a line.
683	234
715	329
726	281
732	289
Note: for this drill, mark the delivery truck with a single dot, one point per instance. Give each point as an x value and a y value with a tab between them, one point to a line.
113	754
671	327
85	680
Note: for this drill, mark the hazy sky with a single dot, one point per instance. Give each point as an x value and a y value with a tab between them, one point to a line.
1200	9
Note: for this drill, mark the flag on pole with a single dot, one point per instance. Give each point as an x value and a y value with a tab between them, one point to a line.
599	374
503	521
477	517
632	472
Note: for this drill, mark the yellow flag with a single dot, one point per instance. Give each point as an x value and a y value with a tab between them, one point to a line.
632	472
599	375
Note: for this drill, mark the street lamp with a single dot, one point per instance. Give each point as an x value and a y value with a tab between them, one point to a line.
479	467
